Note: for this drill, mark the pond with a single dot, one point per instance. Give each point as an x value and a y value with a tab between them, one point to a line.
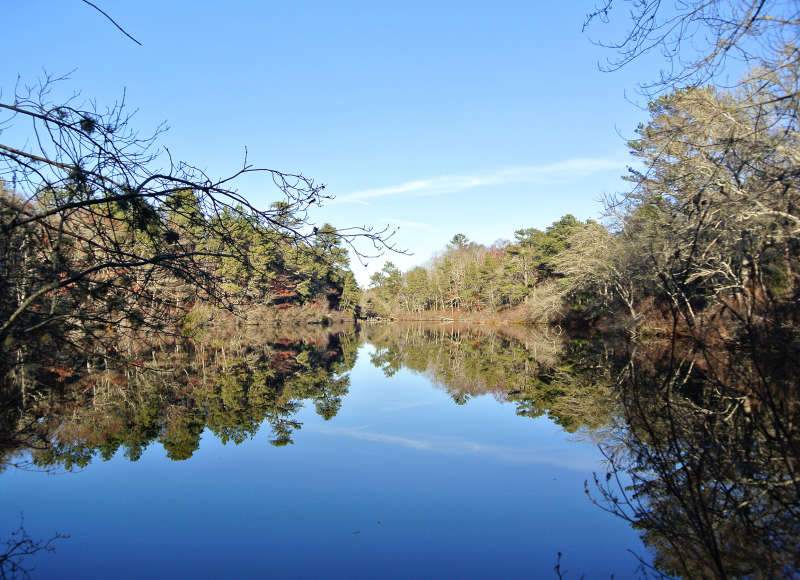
398	452
397	468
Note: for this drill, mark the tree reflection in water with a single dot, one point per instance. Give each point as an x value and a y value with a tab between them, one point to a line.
702	443
710	451
62	410
534	368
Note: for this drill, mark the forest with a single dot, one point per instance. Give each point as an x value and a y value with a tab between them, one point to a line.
144	302
101	231
707	236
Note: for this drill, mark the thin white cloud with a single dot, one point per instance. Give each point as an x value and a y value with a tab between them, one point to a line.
359	433
404	406
457	446
444	184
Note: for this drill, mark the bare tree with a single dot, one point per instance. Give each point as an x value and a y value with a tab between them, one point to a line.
706	464
19	546
598	261
91	209
697	38
716	210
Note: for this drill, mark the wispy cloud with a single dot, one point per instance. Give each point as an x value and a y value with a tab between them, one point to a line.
360	433
444	184
404	406
457	446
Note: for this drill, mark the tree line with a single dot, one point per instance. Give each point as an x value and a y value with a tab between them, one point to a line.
707	233
103	233
471	277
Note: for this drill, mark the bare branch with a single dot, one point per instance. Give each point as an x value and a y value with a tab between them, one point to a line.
114	22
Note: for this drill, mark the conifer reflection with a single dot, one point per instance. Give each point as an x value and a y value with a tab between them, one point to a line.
702	441
539	371
63	409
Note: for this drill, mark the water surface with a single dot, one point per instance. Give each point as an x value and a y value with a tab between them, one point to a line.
391	472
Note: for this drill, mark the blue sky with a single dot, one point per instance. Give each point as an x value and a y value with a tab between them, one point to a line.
436	117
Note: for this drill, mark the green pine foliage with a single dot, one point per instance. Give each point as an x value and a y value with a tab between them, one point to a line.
470	277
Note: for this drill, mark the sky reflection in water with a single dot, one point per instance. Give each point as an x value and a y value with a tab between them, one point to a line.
400	483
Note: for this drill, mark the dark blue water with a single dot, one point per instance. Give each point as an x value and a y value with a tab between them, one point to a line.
401	483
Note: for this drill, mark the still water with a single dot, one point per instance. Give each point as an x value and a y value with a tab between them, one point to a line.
390	473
